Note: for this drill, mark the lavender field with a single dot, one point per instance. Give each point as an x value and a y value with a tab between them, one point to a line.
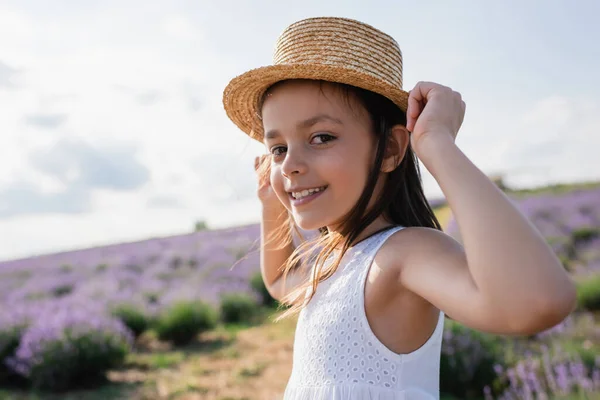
50	305
563	362
42	297
152	273
569	221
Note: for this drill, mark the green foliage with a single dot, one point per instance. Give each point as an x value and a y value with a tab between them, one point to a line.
238	308
165	360
200	226
559	188
239	252
577	349
176	262
588	294
467	361
566	262
77	360
152	297
133	317
101	267
585	234
258	285
62	290
9	341
183	321
66	268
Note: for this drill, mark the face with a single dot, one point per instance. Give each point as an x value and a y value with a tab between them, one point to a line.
317	141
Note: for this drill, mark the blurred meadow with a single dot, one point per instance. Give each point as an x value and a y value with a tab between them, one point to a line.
114	143
187	317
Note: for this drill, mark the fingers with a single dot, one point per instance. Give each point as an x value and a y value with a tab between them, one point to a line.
259	161
420	95
412	112
262	168
417	99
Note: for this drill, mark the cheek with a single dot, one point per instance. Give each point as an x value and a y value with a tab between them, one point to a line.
352	181
350	177
278	185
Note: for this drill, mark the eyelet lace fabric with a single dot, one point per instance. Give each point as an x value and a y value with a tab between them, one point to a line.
337	355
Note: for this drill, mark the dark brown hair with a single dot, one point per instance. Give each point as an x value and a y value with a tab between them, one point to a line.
401	202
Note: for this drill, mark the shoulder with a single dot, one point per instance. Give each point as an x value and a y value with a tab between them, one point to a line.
414	247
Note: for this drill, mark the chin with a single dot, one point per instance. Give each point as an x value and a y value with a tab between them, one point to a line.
311	222
308	223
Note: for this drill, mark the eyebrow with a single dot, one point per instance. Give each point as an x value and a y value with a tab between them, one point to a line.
307	123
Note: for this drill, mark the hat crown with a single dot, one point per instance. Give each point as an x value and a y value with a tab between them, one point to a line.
329	49
343	43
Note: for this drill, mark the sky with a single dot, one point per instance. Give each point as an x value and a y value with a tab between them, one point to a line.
113	129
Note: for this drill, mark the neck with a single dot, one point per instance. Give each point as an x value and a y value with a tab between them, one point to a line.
374	227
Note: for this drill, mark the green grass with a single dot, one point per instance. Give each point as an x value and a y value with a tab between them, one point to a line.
560	188
159	360
232	361
574	397
112	391
588	294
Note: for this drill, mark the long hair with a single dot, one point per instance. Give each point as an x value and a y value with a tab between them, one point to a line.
401	201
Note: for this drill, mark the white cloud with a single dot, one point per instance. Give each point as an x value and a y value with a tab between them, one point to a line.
549	113
14	25
555	140
152	80
180	27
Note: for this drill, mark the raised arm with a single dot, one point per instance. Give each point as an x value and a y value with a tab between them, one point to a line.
507	279
273	253
273	256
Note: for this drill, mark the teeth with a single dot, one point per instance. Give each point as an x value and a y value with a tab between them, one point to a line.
304	193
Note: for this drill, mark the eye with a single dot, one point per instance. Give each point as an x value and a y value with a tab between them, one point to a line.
324	137
275	149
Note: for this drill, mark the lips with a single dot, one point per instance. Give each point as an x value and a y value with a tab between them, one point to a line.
298	194
308	198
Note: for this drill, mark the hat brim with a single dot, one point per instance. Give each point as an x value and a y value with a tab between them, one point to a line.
242	96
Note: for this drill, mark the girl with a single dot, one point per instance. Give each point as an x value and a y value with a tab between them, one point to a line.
373	288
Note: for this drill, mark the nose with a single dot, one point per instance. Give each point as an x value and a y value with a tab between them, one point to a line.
293	164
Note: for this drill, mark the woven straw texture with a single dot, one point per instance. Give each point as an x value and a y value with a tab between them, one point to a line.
331	49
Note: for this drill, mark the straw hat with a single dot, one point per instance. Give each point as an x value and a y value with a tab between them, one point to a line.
325	48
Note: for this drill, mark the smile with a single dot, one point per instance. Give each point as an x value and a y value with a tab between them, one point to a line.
300	198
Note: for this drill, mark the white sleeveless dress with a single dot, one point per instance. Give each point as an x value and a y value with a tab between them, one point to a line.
338	357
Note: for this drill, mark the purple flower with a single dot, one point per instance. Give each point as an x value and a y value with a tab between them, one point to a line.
550	374
57	341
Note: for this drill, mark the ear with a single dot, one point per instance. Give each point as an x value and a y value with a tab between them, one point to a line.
396	148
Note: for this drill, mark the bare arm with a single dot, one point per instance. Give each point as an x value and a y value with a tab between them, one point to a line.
507	279
273	256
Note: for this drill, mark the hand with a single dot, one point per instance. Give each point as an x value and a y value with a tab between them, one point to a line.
435	112
265	192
